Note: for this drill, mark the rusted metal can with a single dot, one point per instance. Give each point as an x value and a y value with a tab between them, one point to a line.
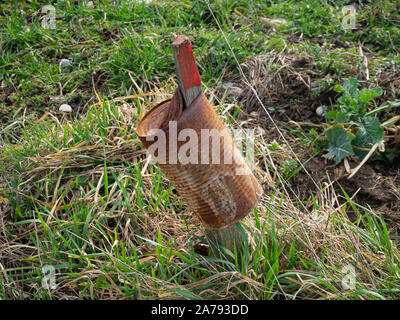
213	177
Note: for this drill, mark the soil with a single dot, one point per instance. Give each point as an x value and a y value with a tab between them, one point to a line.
367	187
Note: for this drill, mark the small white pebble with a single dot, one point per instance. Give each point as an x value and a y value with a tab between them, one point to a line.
320	111
65	108
65	63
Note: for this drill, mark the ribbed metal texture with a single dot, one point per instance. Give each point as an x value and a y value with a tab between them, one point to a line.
219	193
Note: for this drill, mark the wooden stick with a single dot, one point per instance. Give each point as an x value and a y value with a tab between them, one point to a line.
190	86
229	238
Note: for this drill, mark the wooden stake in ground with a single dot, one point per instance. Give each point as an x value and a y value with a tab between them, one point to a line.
190	86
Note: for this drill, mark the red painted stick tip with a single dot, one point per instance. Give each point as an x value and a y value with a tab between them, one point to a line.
179	40
186	62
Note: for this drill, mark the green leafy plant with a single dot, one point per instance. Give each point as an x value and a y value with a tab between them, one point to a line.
352	130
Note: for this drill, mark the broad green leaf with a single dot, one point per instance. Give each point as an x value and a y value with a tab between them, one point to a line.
350	86
369	133
340	117
339	143
366	95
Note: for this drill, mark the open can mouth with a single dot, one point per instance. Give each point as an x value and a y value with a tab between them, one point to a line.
197	154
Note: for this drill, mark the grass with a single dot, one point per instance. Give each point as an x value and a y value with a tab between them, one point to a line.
77	192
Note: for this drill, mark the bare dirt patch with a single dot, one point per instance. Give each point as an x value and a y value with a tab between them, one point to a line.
368	187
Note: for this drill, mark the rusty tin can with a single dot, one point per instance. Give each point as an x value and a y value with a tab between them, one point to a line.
214	180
